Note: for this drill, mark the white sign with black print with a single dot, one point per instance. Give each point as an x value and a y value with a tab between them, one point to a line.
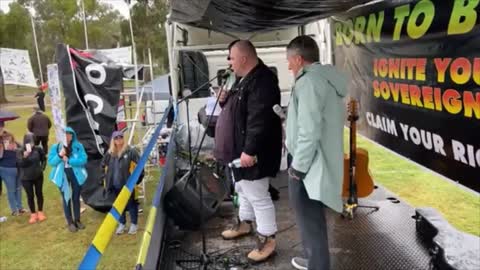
56	102
121	55
16	67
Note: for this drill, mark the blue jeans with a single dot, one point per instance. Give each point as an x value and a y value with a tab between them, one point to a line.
132	207
72	214
14	187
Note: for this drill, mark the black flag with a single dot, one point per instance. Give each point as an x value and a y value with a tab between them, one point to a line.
92	89
92	92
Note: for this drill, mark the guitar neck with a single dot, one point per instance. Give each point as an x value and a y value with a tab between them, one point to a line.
353	146
353	139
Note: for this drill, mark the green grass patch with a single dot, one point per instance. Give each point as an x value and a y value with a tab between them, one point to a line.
21	94
420	187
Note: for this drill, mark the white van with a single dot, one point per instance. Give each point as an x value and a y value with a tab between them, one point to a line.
197	56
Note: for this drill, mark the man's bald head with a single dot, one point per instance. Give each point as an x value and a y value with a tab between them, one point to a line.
246	48
243	57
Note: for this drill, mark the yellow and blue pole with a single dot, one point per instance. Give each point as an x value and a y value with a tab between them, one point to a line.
105	232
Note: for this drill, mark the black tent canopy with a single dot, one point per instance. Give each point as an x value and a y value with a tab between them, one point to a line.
255	15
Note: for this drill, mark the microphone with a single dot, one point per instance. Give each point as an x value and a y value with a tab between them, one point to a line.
227	73
279	111
186	92
236	163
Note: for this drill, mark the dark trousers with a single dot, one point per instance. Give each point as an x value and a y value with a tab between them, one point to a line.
41	104
132	208
34	188
43	140
72	208
229	184
312	223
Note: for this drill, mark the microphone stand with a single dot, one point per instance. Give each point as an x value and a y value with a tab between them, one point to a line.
203	259
186	99
189	133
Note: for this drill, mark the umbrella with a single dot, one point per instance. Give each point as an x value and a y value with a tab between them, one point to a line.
7	116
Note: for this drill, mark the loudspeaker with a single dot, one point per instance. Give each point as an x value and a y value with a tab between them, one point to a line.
182	201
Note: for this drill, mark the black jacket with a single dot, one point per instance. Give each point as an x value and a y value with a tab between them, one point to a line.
31	167
129	158
257	129
39	124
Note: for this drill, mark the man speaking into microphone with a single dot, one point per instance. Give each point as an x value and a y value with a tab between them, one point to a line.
256	134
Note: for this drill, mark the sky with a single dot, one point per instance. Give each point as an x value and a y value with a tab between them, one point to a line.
119	5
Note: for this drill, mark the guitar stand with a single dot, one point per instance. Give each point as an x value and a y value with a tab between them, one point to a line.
350	208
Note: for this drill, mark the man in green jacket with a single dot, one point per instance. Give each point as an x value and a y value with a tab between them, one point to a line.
314	139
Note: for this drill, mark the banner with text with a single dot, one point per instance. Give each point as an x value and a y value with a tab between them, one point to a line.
414	67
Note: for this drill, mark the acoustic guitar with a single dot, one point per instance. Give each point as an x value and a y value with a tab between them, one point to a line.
357	181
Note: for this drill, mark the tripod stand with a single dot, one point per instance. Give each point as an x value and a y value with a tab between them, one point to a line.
203	259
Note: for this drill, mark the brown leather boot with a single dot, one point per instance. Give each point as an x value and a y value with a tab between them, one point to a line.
265	248
240	229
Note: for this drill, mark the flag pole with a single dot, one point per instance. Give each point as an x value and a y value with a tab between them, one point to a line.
136	73
84	24
36	47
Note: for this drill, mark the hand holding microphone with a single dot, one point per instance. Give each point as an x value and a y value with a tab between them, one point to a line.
279	111
243	161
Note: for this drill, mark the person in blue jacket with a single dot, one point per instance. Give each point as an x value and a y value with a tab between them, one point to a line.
69	174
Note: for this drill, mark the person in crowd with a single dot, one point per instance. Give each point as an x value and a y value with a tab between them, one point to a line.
314	139
39	124
31	162
257	141
8	172
119	163
69	174
40	96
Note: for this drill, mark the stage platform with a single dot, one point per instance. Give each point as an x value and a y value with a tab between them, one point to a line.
385	239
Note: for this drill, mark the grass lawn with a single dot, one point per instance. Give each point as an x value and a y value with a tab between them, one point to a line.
420	187
21	95
49	245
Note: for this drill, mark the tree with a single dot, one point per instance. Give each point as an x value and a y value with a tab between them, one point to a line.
61	21
14	26
148	17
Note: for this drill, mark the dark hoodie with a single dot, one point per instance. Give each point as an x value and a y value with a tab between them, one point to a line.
32	166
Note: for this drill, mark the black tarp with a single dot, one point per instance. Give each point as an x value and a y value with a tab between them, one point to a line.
255	15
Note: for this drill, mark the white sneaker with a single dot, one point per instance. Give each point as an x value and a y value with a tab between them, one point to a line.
133	229
300	263
120	229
